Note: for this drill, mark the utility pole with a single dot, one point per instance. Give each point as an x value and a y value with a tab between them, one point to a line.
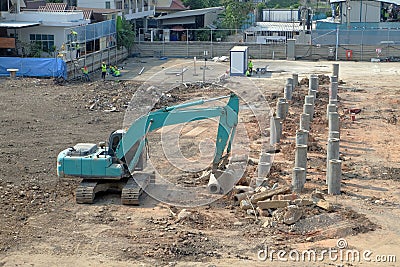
348	13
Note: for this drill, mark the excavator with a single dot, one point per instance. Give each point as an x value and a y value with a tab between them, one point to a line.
121	165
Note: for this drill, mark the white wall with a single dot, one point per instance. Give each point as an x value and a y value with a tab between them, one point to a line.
95	3
282	15
58	33
362	11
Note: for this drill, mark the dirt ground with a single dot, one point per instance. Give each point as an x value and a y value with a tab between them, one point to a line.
41	225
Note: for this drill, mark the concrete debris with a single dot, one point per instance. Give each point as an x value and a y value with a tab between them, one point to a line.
279	214
317	195
244	204
241	189
260	189
241	196
269	222
291	197
184	214
263	213
324	204
303	202
272	204
268	194
292	215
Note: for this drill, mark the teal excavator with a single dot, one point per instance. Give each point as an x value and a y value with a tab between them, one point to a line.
121	164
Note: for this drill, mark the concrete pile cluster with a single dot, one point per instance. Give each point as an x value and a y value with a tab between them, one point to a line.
333	166
283	203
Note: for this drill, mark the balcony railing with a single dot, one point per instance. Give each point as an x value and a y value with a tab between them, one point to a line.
139	12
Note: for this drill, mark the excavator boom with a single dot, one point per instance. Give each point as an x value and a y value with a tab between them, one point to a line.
176	115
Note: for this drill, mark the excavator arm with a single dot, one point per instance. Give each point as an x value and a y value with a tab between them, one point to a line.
135	136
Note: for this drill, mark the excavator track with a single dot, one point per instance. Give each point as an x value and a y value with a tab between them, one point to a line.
134	188
85	192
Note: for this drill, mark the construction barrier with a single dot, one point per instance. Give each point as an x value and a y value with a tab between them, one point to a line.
34	67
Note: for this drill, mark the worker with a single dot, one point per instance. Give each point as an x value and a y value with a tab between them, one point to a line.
248	73
117	73
74	36
250	66
103	70
111	70
85	73
78	50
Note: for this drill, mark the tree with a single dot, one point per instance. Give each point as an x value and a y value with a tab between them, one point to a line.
282	3
236	13
196	4
125	34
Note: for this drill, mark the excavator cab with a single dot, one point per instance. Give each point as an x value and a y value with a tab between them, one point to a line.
113	141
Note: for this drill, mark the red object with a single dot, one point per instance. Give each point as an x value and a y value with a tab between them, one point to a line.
349	54
355	111
353	116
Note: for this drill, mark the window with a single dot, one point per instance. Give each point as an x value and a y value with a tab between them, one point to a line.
118	5
46	41
108	4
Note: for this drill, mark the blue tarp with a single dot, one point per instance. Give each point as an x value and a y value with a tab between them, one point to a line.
34	67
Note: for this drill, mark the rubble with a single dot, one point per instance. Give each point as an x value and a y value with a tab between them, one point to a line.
292	215
269	193
272	204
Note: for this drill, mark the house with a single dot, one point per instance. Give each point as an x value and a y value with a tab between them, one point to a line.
181	25
279	25
138	12
165	7
132	9
48	28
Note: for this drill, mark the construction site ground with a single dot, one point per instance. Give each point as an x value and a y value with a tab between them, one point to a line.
41	225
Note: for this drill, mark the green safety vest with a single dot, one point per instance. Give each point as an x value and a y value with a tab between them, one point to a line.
250	65
103	67
85	71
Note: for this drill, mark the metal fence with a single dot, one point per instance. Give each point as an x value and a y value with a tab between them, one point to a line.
92	31
319	37
356	37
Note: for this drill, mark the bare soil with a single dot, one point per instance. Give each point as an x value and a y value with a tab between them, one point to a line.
43	226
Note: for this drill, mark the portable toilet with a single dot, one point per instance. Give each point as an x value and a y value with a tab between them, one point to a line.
238	60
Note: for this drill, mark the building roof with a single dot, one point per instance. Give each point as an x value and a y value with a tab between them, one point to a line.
396	2
170	5
189	13
17	24
53	7
99	10
275	27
